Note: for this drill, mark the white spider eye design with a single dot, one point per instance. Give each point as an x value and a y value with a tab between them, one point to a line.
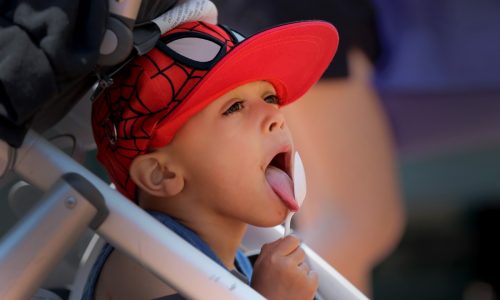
196	49
193	49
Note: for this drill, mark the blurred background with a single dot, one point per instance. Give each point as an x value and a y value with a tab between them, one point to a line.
439	84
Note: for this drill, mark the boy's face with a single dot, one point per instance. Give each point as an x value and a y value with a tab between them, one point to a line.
225	150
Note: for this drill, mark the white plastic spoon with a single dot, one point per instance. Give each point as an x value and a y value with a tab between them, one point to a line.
299	188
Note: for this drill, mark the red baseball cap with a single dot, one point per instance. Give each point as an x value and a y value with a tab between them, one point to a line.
192	65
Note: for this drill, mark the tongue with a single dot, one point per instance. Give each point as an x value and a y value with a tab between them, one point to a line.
282	185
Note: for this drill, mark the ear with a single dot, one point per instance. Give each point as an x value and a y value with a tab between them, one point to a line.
153	174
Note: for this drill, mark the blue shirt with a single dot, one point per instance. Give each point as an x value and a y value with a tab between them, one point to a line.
242	262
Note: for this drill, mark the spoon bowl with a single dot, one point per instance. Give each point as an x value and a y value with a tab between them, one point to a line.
299	188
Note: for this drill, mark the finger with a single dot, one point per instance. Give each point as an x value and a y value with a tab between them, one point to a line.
313	278
287	245
271	245
304	267
297	256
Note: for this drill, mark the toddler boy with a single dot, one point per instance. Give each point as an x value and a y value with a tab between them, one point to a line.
193	133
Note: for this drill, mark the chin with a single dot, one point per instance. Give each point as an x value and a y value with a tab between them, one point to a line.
272	221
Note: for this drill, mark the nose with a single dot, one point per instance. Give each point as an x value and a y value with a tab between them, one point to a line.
274	120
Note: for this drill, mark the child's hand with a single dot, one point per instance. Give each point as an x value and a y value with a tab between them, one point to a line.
280	271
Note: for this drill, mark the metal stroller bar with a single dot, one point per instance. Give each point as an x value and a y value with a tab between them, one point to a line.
127	227
332	285
41	238
32	248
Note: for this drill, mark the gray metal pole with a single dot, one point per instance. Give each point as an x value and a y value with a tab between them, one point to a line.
38	241
132	230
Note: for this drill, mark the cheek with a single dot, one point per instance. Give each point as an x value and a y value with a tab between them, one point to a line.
223	154
220	163
236	148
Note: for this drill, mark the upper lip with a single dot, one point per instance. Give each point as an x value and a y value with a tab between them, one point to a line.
282	159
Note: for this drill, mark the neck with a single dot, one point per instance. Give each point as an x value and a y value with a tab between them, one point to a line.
223	236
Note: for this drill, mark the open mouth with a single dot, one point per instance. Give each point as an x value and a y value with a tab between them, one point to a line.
282	161
278	175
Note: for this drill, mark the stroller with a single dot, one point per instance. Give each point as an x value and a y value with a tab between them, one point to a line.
72	199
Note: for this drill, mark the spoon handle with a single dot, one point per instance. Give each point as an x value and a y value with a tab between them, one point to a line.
288	220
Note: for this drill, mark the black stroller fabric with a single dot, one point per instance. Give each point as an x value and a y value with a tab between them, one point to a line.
46	49
48	55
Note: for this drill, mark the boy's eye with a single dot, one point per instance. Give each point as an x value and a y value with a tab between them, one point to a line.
234	108
272	99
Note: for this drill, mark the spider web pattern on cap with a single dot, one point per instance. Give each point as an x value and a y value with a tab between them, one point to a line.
143	97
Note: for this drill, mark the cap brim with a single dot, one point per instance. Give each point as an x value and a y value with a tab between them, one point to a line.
292	57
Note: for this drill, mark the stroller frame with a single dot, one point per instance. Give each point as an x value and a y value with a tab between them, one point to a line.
75	199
